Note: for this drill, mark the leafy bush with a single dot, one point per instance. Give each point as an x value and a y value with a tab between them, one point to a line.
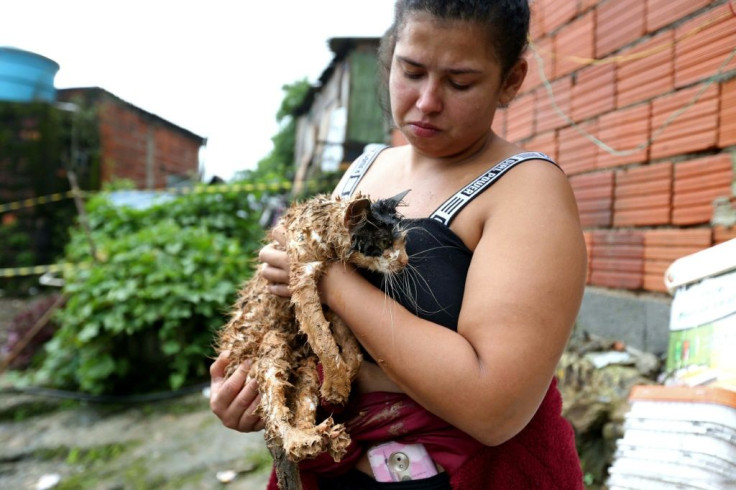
143	316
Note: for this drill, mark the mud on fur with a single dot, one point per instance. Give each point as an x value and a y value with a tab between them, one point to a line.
288	338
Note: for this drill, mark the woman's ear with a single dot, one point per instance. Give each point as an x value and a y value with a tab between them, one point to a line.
512	83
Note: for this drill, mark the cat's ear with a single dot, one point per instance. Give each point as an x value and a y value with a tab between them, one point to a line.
357	212
385	207
394	202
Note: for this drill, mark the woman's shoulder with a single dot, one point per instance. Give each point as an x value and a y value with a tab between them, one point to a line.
393	152
532	170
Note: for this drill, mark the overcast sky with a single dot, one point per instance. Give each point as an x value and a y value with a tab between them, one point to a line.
214	67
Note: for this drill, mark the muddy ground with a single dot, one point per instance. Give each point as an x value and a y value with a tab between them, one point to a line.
172	444
175	443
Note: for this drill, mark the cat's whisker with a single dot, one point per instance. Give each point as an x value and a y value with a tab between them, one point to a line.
434	249
413	281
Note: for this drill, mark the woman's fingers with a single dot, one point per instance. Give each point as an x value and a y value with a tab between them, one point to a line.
242	413
223	391
278	233
235	399
280	290
274	275
249	420
275	269
274	257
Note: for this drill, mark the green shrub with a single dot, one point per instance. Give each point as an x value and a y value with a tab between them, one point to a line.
143	316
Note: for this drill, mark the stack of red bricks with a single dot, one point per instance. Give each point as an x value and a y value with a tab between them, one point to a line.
636	99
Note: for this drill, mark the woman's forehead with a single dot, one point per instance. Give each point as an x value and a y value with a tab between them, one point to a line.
456	41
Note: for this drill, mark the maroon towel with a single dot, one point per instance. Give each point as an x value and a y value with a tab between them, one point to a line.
541	456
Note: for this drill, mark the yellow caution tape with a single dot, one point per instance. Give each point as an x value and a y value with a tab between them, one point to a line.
211	189
30	202
33	270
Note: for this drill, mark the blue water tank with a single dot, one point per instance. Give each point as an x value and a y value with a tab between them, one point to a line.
26	76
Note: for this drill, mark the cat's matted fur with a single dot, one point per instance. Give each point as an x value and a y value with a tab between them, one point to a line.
287	339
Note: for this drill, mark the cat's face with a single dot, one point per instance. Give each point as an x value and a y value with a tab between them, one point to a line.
377	241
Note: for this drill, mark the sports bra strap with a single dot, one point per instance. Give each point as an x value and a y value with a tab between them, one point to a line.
449	209
359	168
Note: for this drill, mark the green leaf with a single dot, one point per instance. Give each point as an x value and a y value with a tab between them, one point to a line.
171	347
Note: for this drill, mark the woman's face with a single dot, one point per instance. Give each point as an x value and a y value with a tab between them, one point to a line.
445	85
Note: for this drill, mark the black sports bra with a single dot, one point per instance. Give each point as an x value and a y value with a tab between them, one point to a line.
432	286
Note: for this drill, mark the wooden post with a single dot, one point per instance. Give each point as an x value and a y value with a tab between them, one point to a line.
76	193
287	471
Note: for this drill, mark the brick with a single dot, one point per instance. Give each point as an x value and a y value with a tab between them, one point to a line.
618	22
556	13
520	118
545	142
661	13
727	116
654	273
690	239
696	184
587	4
643	196
616	279
646	70
617	259
693	130
594	91
722	234
573	45
662	247
626	131
547	117
594	196
541	48
577	154
536	21
704	43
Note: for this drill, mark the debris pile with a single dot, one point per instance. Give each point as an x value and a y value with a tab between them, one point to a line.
595	376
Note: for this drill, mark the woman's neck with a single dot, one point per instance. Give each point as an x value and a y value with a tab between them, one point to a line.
421	162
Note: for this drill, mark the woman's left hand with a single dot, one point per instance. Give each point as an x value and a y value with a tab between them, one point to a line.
275	268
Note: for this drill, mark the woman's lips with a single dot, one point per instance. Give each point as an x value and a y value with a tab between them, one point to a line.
423	129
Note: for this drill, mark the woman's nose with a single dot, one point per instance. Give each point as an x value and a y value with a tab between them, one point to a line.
429	100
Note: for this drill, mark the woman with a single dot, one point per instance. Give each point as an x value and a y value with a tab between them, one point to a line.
470	359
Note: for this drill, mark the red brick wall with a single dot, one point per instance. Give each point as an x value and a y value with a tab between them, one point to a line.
132	140
124	141
621	70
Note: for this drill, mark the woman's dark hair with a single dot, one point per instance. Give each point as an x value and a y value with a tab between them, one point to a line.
506	22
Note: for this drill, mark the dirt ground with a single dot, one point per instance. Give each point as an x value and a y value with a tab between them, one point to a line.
52	442
173	444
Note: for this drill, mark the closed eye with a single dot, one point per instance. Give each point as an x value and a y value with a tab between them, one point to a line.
459	86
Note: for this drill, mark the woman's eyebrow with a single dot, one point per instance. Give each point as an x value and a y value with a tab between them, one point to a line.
453	71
